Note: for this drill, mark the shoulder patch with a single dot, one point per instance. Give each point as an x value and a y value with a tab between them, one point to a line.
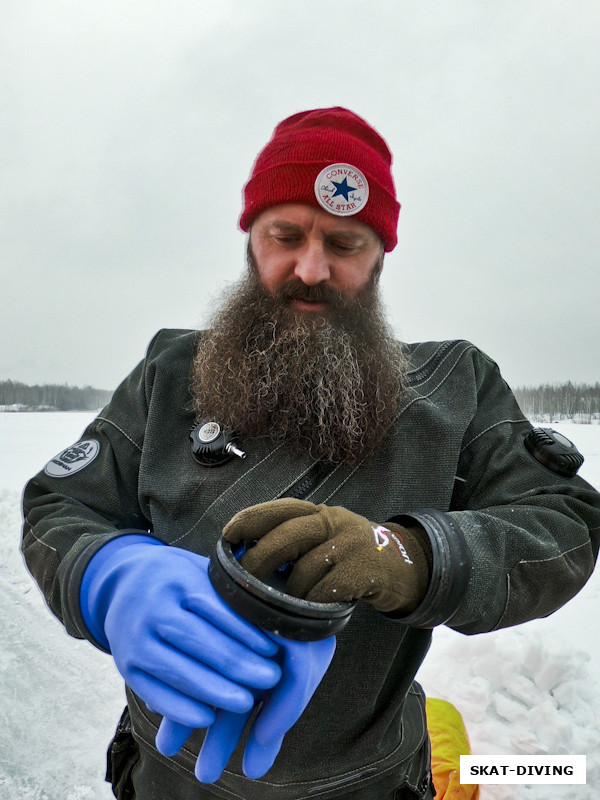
73	459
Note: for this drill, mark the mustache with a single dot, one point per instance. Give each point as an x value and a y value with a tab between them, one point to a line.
295	288
318	293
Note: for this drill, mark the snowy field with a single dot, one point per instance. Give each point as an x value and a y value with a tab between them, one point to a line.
534	689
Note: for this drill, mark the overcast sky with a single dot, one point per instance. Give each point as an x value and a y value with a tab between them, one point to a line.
127	130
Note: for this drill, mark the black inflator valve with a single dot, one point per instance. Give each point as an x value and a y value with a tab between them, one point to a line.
554	451
213	445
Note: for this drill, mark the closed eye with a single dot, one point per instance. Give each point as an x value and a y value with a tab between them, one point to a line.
286	239
343	247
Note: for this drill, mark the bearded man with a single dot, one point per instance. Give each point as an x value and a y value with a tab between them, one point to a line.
400	480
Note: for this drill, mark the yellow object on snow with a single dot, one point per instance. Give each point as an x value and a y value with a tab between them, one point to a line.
449	741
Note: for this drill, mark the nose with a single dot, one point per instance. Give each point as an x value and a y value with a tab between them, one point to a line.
312	266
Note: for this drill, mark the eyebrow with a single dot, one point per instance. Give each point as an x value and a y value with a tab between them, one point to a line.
282	225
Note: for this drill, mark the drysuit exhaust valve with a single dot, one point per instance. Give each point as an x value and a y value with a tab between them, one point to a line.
267	605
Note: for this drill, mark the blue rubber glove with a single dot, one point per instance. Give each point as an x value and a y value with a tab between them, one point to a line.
180	648
303	666
220	741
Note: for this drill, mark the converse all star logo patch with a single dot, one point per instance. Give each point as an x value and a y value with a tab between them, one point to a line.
342	189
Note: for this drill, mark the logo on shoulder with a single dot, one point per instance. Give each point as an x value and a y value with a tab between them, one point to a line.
73	459
342	189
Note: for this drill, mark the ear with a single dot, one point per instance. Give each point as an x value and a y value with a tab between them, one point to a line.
377	270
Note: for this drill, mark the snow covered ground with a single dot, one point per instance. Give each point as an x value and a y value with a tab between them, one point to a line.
534	689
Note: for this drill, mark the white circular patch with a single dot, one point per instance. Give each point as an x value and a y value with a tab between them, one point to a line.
73	459
342	189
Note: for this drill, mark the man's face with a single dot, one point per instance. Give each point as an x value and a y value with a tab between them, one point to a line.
296	242
301	351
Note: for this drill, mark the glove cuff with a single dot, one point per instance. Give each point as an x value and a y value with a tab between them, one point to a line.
450	567
90	566
416	536
415	546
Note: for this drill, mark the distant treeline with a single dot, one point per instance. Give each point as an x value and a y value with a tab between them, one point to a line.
51	397
577	402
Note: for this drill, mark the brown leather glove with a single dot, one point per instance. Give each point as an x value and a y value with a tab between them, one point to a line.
339	556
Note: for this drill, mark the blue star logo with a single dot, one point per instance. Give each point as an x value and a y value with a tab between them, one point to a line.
341	187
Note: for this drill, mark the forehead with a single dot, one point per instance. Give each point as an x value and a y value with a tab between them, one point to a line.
307	218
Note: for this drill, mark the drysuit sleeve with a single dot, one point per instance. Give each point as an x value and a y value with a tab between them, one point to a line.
86	496
519	540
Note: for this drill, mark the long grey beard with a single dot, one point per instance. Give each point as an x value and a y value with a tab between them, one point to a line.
329	385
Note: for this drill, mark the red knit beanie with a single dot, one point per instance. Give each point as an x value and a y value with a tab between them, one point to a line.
330	158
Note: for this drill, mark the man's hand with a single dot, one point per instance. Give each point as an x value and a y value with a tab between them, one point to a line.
303	666
339	556
176	643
